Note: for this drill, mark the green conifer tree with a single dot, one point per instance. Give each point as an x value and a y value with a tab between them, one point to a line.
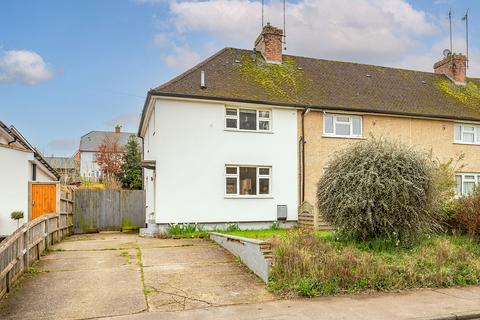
131	175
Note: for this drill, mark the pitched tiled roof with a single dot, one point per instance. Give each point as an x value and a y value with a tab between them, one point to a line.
92	140
62	162
232	75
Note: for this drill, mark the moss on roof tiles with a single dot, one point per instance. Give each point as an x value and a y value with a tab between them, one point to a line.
284	81
468	94
231	74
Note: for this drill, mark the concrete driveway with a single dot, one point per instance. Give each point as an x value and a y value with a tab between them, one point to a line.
111	274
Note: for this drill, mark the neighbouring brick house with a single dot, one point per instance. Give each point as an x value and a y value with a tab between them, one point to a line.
258	128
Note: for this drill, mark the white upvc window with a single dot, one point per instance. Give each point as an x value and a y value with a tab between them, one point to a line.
244	119
247	180
342	125
466	183
466	133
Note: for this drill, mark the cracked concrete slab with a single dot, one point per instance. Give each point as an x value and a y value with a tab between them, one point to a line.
87	260
99	241
73	282
191	277
100	275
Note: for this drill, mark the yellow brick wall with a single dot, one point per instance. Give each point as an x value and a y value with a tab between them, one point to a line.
423	134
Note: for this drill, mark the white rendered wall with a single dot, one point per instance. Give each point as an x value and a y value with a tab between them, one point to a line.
87	165
14	176
191	148
43	175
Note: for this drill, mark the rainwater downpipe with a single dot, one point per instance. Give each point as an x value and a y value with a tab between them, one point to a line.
303	142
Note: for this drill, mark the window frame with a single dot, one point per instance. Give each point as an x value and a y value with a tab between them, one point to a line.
335	121
462	176
257	120
475	132
258	176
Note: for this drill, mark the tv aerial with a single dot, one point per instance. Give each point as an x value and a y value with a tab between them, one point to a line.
447	53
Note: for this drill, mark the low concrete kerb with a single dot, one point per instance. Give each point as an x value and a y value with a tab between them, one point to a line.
255	254
469	315
242	239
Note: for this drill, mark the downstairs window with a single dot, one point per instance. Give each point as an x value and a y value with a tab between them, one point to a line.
466	183
247	180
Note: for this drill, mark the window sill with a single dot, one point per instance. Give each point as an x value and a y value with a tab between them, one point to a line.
250	131
343	137
467	143
248	197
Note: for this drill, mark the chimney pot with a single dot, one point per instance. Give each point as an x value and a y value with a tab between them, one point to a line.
269	44
454	66
117	129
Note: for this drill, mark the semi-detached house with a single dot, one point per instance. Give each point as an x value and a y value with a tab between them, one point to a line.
245	135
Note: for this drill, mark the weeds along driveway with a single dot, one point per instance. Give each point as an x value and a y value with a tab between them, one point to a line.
109	274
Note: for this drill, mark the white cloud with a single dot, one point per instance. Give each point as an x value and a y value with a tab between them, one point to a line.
382	32
181	57
375	31
162	40
22	66
424	60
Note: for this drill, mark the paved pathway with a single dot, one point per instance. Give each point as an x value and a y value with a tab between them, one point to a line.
441	304
121	276
113	274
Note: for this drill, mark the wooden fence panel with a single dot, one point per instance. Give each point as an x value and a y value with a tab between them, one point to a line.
108	210
19	250
132	201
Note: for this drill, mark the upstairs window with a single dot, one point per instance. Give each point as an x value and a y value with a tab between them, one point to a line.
247	119
466	183
339	125
466	133
247	180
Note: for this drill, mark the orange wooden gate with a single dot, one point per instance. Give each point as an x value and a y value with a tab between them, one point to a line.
44	199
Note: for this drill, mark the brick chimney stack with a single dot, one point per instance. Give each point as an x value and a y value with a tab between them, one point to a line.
269	44
117	128
454	66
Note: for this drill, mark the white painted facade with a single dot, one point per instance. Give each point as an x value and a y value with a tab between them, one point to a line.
15	173
191	147
89	169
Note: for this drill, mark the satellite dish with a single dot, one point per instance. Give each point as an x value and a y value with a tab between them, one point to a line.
446	52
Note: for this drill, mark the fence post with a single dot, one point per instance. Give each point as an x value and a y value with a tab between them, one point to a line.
7	281
45	221
26	250
57	232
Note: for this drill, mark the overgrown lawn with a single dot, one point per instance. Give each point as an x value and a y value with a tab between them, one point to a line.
314	264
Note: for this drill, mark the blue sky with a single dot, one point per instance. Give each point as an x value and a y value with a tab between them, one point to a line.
69	67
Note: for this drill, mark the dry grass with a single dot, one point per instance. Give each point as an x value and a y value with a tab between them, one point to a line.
308	265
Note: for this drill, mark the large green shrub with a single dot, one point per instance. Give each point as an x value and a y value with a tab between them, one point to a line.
378	188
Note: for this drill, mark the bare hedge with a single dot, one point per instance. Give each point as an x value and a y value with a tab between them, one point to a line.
378	188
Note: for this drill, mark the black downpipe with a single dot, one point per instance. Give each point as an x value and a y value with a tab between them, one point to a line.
13	141
34	172
303	153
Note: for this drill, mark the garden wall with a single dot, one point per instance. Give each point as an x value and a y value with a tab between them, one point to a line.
255	254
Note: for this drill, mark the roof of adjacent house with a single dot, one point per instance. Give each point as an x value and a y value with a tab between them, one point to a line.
234	75
62	162
92	140
18	138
